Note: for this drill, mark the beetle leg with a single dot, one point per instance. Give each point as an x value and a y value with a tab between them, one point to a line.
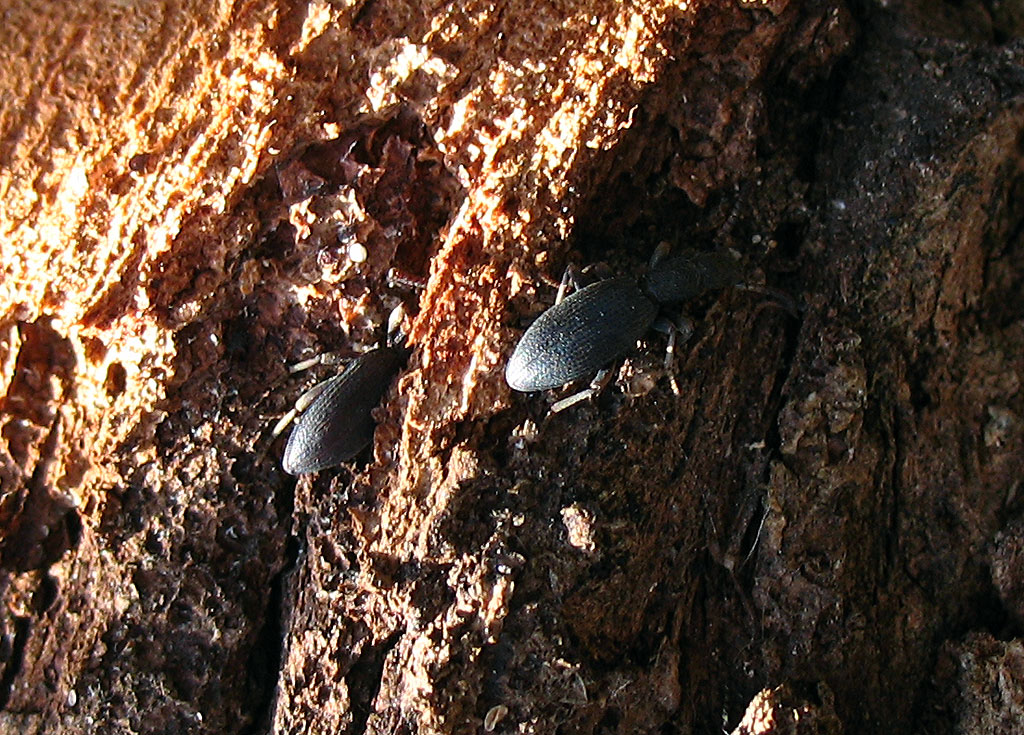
564	285
571	277
324	358
303	401
310	395
300	405
396	334
670	353
397	277
679	331
305	364
283	423
572	400
600	381
580	278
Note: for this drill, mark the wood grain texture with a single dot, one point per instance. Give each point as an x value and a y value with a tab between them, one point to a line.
821	529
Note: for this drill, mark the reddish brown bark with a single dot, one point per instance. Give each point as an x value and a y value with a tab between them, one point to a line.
821	532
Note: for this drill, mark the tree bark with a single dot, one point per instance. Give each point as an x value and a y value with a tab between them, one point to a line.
811	522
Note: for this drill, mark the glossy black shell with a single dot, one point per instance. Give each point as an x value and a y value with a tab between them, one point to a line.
579	336
338	424
688	275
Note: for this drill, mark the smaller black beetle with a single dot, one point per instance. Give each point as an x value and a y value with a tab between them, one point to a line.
338	424
599	323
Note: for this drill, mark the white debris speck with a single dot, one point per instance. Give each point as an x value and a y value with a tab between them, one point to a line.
357	252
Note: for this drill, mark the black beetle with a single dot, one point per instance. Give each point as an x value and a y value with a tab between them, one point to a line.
338	423
599	323
581	334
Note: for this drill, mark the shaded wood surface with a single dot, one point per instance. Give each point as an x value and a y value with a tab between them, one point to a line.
821	531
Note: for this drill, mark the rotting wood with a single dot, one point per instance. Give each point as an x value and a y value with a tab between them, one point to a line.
809	529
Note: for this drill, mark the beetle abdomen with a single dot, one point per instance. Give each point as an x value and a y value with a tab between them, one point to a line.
338	424
579	336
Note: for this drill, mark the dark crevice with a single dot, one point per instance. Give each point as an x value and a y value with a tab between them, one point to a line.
268	651
986	611
776	398
15	660
917	374
46	594
365	680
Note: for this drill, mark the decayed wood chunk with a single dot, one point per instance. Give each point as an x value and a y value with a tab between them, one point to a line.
196	198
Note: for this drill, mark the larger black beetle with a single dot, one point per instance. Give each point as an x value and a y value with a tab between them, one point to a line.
599	323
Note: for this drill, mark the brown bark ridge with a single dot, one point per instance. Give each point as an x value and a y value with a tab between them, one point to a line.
820	531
